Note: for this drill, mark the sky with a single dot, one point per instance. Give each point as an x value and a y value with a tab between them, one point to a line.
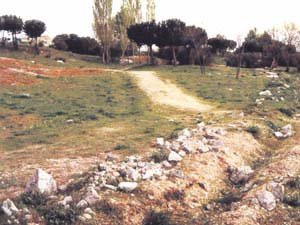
231	18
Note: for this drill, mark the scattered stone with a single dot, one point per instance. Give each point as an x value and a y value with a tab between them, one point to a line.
240	175
41	182
174	157
82	204
265	93
127	186
111	187
285	132
272	75
70	121
166	164
267	200
9	207
92	196
87	216
276	189
160	142
89	211
66	200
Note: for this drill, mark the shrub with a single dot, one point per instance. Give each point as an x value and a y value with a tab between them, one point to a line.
159	156
157	218
174	194
121	147
109	209
228	198
34	200
254	130
292	199
58	215
287	111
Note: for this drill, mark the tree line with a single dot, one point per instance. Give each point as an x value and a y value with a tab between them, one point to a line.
14	25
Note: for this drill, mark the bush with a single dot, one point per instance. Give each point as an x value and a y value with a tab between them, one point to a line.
159	156
109	209
58	215
292	192
287	111
34	200
174	194
254	130
157	218
249	60
121	147
292	199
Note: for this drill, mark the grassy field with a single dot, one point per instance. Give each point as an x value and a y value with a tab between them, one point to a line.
219	86
98	113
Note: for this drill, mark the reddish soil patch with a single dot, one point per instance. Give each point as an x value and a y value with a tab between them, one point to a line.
18	72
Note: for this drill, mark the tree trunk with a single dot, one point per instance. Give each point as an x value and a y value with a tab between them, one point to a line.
238	71
103	55
202	65
36	46
288	63
174	56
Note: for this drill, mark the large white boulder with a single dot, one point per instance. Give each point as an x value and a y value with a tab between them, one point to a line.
41	182
267	200
174	157
127	186
9	207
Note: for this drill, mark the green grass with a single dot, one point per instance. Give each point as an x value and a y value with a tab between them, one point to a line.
72	59
109	100
219	85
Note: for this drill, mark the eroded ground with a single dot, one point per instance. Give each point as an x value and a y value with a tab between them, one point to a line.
67	120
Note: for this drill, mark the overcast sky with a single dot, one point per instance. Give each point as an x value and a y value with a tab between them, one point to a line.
228	17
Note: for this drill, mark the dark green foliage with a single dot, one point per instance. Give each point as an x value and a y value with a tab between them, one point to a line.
109	209
157	218
174	194
159	156
294	183
34	200
58	215
76	44
121	147
34	28
228	198
254	130
292	192
292	199
220	44
13	25
287	111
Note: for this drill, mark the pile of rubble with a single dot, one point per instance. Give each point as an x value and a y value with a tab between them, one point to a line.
115	175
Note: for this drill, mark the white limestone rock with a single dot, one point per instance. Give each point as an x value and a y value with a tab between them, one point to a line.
174	157
41	182
267	200
127	186
9	207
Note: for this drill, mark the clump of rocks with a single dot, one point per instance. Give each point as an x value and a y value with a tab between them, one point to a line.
268	198
240	175
113	174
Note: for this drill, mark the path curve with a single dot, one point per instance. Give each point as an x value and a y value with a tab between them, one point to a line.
166	93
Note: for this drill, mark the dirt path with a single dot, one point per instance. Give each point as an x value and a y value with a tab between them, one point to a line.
166	93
